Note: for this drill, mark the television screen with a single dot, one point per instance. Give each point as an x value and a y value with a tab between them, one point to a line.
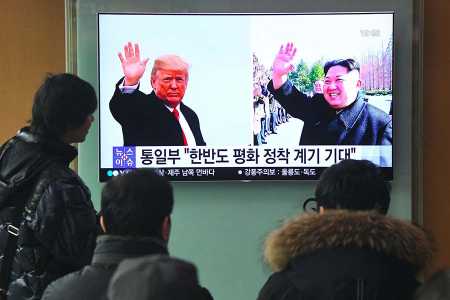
207	97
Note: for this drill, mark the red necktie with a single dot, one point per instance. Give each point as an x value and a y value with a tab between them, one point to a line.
176	114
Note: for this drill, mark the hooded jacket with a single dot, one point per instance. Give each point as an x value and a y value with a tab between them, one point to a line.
59	227
342	255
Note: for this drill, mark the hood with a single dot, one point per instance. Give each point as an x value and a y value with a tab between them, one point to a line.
308	233
24	157
27	151
51	147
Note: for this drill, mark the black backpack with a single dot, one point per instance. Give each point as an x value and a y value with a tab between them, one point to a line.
16	187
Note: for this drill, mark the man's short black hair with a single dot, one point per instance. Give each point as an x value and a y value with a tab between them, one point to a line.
353	185
136	203
348	63
61	103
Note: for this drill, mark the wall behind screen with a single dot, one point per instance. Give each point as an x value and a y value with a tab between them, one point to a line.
27	55
220	226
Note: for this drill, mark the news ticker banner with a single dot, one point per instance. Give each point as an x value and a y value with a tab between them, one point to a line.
301	156
242	163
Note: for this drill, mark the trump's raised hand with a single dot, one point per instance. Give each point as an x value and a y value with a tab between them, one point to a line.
282	64
132	65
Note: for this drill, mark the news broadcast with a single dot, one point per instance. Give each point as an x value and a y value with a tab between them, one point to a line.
246	97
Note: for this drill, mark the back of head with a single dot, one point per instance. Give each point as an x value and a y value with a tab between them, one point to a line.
156	278
353	185
436	288
136	203
62	102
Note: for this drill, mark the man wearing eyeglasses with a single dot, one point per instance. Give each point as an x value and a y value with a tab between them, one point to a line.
336	116
350	249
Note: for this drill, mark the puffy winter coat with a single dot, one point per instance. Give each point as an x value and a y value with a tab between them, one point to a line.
59	228
343	255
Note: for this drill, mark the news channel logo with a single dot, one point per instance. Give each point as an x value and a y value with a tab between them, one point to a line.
113	173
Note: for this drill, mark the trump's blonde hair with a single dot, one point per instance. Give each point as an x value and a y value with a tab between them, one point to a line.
170	62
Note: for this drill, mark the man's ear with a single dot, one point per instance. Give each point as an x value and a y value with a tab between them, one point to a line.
102	224
165	228
152	83
321	210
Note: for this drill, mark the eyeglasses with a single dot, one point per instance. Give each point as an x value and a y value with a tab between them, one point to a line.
310	205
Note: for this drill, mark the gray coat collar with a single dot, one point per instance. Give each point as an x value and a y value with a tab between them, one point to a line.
112	249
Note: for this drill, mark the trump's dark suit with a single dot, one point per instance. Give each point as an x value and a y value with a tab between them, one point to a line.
147	122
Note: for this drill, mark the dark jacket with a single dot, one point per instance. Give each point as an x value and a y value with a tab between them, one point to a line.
358	124
91	282
60	225
147	122
343	255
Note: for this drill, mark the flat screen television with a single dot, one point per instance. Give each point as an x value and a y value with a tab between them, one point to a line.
250	130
